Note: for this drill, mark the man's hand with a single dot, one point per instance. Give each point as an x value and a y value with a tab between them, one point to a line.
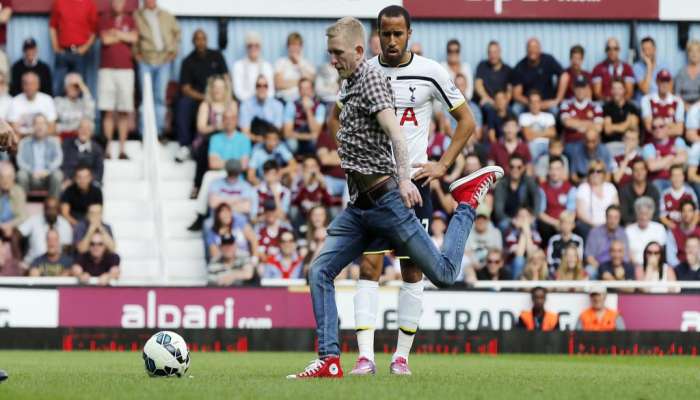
410	194
8	137
431	170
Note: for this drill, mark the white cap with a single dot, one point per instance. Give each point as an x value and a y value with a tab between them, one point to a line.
252	37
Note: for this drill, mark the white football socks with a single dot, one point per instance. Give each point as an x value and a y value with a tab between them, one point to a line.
366	300
409	313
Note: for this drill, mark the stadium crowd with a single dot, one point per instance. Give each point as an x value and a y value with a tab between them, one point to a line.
602	167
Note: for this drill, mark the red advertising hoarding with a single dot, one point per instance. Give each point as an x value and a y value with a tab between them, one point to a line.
189	308
660	312
535	9
44	6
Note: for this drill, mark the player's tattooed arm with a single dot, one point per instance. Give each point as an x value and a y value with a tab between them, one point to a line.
409	191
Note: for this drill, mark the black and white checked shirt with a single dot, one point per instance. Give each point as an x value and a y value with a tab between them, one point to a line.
363	146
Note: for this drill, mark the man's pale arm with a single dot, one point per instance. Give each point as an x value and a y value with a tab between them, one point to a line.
409	192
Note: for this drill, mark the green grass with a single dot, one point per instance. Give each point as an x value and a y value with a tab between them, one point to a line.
82	375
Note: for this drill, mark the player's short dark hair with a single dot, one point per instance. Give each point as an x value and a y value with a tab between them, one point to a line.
553	159
499	91
509	118
82	167
394	11
270	165
688	202
453	42
537	289
521	158
613	207
577	49
648	39
534	92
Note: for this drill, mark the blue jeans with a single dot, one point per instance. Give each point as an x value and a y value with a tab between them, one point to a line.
68	62
184	120
160	74
354	229
661	185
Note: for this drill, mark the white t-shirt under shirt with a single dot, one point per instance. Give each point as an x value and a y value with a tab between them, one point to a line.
291	71
639	239
593	205
540	122
416	84
22	110
245	74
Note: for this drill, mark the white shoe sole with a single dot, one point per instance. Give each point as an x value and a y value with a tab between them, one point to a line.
492	168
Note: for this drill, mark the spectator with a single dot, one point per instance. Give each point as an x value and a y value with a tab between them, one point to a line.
303	120
154	51
270	149
55	262
5	15
247	70
495	115
26	105
438	142
260	112
233	190
233	268
272	188
326	84
39	159
416	48
5	98
622	163
571	266
644	230
585	152
311	190
600	239
13	207
579	116
483	237
538	126
558	195
617	268
593	197
662	153
609	69
495	269
316	232
450	123
664	105
620	116
270	229
673	197
571	75
536	268
510	145
92	223
522	239
564	239
647	68
97	262
689	270
655	269
289	70
72	26
79	196
539	71
36	227
454	65
599	318
638	187
374	45
287	264
492	77
537	319
694	167
686	83
115	78
218	100
555	150
692	124
514	191
77	105
227	224
438	227
9	265
201	64
686	228
83	150
30	62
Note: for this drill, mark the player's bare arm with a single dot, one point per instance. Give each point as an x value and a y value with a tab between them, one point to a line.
433	170
409	191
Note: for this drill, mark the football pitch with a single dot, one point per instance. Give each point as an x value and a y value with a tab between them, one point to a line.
102	375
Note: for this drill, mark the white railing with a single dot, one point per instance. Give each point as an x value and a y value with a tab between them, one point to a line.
151	161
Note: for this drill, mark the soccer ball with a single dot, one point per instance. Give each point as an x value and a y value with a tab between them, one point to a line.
166	354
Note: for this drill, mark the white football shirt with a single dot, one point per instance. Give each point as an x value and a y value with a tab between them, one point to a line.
416	84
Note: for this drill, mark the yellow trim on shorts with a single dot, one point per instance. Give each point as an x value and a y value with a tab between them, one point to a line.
408	330
364	328
369	253
454	107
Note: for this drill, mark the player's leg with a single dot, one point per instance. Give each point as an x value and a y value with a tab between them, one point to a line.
346	240
410	309
365	302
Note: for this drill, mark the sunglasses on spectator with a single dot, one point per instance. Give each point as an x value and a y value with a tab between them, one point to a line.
261	85
95	244
452	51
612	48
492	261
252	45
596	171
654	252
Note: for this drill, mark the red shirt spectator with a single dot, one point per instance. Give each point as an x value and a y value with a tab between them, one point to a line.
75	21
671	200
573	74
310	196
327	150
685	228
501	151
556	197
117	55
5	7
584	110
605	72
626	176
438	143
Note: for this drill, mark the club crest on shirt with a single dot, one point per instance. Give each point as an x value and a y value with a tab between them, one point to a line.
412	89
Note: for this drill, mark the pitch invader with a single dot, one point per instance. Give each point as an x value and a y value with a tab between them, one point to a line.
416	82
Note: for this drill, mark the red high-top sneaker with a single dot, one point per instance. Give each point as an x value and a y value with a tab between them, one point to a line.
328	367
472	188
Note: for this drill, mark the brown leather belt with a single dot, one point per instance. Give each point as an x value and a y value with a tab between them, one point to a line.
368	199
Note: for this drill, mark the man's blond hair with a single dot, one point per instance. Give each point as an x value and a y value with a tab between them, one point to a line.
350	29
